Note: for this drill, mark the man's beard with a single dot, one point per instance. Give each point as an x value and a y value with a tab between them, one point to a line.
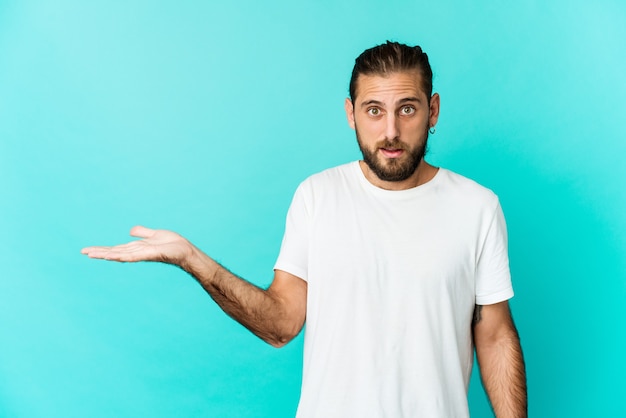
394	169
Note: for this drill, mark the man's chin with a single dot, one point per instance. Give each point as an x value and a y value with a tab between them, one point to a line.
392	170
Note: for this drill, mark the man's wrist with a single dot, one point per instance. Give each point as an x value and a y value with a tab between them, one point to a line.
198	264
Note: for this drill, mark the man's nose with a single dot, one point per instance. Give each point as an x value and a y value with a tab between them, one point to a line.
392	130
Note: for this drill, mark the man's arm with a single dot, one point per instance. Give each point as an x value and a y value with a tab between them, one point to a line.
500	359
276	315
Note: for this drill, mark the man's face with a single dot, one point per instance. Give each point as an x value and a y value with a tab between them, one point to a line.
391	116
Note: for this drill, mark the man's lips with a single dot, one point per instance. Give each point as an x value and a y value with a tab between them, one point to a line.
391	152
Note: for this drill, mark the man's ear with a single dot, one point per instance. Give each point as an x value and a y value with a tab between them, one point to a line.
349	111
435	103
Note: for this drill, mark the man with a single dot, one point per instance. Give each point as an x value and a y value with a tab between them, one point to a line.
398	267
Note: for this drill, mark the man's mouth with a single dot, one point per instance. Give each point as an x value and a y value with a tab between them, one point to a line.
391	152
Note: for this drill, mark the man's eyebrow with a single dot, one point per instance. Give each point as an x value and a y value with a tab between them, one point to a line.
401	101
410	99
372	102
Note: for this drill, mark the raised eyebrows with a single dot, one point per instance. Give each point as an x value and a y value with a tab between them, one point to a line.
379	103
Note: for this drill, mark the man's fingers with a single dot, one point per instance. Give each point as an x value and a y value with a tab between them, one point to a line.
128	254
92	250
141	232
96	252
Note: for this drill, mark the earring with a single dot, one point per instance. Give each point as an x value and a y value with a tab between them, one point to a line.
432	130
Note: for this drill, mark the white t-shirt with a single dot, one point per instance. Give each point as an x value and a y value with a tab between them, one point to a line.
393	277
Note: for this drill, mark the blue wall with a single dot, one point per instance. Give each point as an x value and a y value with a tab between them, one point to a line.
203	118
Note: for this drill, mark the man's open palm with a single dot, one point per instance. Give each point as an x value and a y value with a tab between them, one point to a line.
156	245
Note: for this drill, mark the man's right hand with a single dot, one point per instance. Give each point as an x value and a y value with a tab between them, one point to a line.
156	245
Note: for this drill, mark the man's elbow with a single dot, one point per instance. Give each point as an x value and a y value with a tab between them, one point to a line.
280	343
279	340
283	335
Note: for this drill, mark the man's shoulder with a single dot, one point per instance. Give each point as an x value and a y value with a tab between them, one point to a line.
331	176
334	181
466	188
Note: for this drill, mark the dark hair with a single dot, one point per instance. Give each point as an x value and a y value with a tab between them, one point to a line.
389	58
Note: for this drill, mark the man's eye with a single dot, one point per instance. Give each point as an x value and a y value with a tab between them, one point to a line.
373	111
408	110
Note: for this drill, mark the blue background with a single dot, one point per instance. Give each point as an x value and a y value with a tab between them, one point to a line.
202	117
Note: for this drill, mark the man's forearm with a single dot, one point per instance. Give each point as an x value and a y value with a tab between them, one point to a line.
259	310
504	376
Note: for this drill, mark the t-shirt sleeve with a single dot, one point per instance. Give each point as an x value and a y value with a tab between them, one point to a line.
493	276
294	251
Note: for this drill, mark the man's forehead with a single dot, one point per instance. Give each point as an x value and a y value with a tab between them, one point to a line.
407	82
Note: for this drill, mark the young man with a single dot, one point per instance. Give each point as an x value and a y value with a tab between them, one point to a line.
400	268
